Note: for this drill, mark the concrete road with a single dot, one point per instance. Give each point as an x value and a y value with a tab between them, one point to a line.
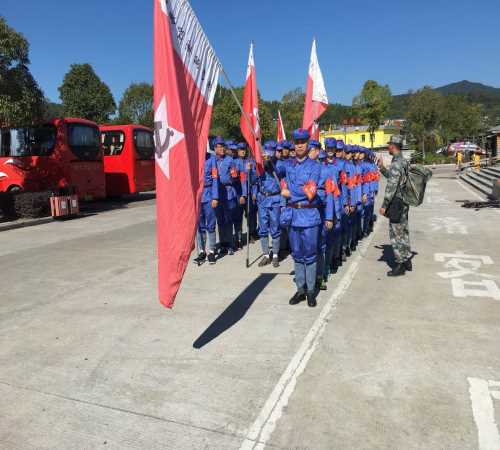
89	359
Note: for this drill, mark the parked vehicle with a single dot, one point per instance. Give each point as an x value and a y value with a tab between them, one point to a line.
128	159
62	154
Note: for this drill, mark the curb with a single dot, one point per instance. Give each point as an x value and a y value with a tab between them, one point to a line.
24	224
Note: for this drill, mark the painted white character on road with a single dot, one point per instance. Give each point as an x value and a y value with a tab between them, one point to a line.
482	393
463	265
451	225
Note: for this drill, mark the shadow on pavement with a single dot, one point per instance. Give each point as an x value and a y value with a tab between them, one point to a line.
388	255
235	311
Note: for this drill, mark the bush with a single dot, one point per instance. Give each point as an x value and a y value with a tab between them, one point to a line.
15	205
32	204
431	158
7	209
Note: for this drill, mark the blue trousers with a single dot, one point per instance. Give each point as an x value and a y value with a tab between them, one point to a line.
269	221
368	216
225	214
305	277
208	219
347	225
333	246
358	222
304	245
322	246
237	219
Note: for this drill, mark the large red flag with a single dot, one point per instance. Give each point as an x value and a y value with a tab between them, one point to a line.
186	73
316	98
249	122
281	135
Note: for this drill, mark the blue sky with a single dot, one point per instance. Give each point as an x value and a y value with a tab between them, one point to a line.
403	43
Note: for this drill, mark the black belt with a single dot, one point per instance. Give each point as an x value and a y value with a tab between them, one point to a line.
270	194
303	206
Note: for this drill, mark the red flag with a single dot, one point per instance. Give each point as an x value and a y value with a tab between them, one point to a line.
281	136
249	122
316	98
186	73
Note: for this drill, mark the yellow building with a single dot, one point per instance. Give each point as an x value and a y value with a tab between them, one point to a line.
359	135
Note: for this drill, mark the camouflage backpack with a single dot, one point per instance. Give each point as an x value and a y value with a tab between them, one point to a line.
413	191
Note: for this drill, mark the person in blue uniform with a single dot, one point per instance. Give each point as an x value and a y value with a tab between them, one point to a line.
268	194
285	153
314	149
207	221
249	175
346	178
300	189
241	187
339	162
228	202
358	186
334	208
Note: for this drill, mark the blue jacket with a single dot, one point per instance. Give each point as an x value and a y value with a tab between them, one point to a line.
268	183
228	177
211	180
298	173
241	184
330	174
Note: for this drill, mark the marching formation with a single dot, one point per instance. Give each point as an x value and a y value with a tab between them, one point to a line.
316	203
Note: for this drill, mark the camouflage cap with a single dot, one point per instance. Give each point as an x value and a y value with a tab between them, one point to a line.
397	139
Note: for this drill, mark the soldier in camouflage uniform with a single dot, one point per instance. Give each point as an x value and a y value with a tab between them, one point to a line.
399	234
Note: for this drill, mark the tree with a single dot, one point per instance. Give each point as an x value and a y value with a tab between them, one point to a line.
21	100
226	115
136	105
84	95
372	105
424	115
292	109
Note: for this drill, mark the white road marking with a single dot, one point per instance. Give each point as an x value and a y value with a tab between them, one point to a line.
451	225
484	414
468	265
263	427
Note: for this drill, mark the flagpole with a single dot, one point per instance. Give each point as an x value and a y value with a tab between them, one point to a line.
257	140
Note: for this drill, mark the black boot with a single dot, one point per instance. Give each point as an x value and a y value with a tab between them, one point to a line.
297	298
211	258
335	266
398	271
265	261
311	299
200	259
321	284
408	265
348	252
340	261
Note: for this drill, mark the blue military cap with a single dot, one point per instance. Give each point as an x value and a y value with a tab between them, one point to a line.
219	140
340	144
301	134
229	143
348	148
330	143
270	145
322	154
279	146
269	148
233	147
242	146
287	145
292	146
314	144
